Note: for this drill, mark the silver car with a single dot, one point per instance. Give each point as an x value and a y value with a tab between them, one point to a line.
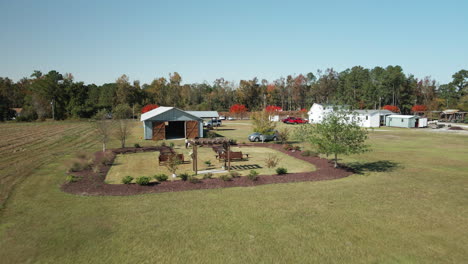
257	137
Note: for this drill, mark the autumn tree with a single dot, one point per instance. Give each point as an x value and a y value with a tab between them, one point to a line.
238	110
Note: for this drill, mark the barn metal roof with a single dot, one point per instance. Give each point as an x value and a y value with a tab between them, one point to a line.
204	114
403	116
371	112
163	109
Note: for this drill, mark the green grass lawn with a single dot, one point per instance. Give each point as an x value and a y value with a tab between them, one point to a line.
413	212
146	164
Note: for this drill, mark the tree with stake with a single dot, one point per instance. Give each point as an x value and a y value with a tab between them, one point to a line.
104	130
262	124
338	134
121	114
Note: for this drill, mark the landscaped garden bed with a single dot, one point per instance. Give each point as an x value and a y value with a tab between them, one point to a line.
93	181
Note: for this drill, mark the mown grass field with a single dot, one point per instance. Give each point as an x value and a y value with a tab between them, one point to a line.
409	205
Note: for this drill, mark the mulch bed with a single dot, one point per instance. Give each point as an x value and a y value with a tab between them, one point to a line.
92	183
455	128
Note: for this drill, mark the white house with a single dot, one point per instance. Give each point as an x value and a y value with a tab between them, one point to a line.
371	118
318	111
366	118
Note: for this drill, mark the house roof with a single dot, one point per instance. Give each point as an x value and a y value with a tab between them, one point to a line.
450	111
163	109
403	116
371	112
204	114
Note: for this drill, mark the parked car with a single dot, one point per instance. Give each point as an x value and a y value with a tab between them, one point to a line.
257	137
231	118
212	123
222	118
294	120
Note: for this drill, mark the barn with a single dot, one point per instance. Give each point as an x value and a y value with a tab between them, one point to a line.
171	123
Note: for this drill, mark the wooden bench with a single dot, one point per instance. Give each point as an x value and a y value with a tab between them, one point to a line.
232	155
166	157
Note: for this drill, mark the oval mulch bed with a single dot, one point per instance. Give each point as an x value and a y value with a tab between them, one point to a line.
92	183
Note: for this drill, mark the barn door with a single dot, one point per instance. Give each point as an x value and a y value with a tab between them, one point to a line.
159	130
191	129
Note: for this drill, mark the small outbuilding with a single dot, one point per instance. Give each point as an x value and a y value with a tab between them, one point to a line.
371	118
408	121
171	123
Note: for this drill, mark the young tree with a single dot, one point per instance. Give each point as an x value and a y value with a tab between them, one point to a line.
262	124
338	134
104	129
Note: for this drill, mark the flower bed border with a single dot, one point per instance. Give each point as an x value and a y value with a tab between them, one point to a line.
92	183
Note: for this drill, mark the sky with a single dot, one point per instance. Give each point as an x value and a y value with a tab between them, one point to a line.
98	41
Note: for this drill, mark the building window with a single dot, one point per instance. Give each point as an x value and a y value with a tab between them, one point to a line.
402	120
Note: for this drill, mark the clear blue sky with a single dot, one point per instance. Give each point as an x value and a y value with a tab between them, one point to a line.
98	41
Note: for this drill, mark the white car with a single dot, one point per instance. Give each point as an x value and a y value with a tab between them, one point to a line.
231	118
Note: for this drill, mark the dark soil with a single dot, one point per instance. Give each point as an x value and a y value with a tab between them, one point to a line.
92	183
455	128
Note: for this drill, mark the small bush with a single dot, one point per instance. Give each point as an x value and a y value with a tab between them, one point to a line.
107	158
143	180
171	144
97	168
136	145
271	161
287	147
161	177
208	163
281	171
72	178
225	177
233	141
234	174
210	134
184	176
163	144
208	175
193	179
284	135
127	179
253	175
297	148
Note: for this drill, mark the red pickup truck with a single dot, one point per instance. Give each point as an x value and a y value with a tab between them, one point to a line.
294	120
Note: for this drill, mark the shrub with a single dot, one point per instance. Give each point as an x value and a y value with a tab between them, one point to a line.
284	135
97	168
136	145
72	178
127	179
163	144
184	176
210	134
234	174
161	177
271	161
143	180
208	163
233	141
171	144
193	179
107	158
287	147
208	175
225	177
281	171
253	175
297	148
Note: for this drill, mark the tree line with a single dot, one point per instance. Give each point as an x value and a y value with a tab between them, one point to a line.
58	96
